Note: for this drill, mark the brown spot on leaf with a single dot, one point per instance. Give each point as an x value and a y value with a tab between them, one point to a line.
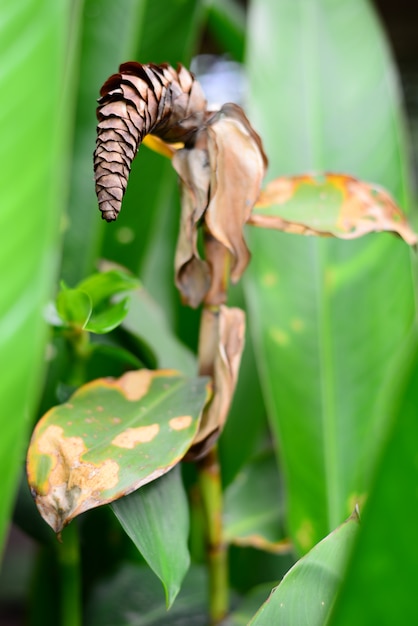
181	422
131	437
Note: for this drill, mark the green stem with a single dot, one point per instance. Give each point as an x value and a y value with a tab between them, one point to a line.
70	578
211	491
81	351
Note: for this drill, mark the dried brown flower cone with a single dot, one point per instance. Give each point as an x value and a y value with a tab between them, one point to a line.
140	99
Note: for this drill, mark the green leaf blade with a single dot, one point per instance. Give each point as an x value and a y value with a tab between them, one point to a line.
377	587
328	318
307	592
74	308
32	143
156	518
108	319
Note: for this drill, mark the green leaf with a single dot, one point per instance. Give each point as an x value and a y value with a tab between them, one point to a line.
328	317
112	316
156	518
377	587
143	603
105	285
74	308
112	437
256	521
306	594
35	131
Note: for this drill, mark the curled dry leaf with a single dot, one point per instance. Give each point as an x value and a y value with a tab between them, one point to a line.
221	347
113	436
221	180
221	164
330	205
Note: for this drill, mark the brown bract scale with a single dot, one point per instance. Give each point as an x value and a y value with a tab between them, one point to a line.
139	100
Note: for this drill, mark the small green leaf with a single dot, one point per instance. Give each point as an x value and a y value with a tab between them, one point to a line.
306	594
108	319
74	307
110	438
131	598
156	518
256	521
104	285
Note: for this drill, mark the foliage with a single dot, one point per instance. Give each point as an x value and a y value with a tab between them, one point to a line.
119	381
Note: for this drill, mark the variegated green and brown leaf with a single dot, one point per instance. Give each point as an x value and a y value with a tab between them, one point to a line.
329	205
111	437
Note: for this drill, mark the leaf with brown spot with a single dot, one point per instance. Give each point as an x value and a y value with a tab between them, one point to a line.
112	437
220	357
329	205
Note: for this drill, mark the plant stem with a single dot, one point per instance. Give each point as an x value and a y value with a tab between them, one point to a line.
211	491
69	563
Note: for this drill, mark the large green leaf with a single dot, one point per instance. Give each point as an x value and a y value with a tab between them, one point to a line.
32	154
156	518
110	438
327	317
307	593
379	587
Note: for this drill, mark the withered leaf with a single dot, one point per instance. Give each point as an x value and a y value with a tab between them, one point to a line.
221	177
237	164
220	356
334	205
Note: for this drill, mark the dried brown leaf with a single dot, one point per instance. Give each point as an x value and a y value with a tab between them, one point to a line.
237	164
220	356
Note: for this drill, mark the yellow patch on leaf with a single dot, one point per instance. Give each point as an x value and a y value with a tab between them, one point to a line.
131	437
134	385
181	422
